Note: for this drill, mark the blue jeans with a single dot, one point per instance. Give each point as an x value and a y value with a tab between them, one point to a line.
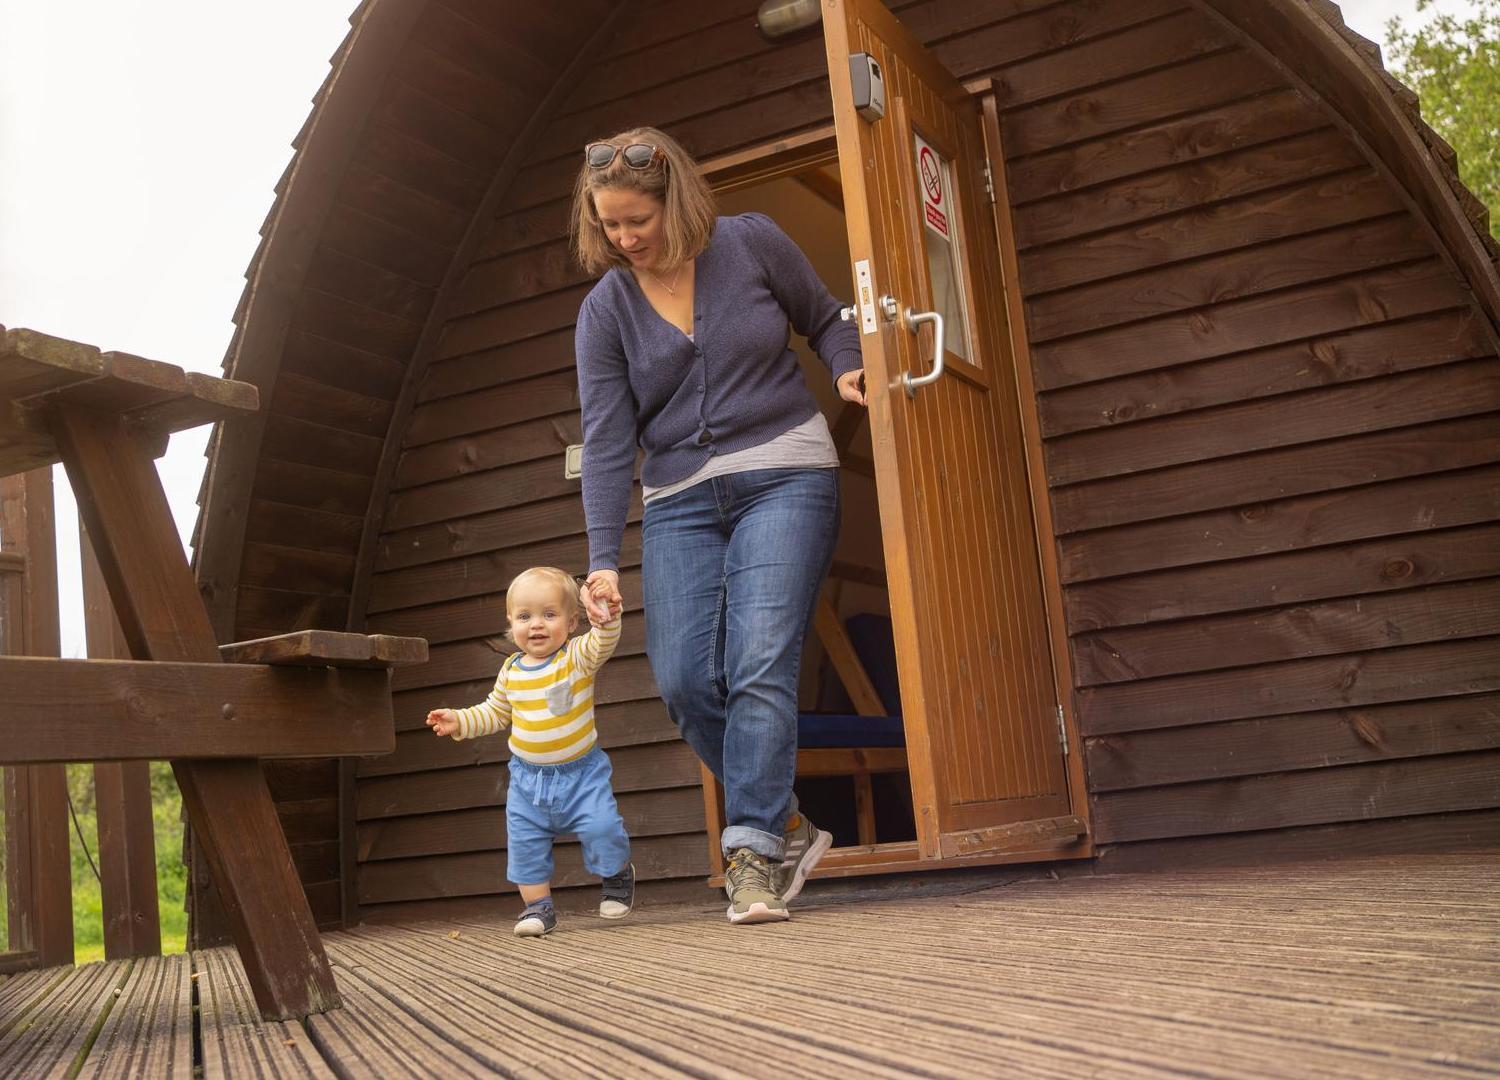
548	801
732	569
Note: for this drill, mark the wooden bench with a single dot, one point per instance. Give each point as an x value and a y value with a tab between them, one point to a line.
105	416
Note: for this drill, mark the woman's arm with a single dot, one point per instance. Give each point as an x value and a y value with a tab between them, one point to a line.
609	431
813	311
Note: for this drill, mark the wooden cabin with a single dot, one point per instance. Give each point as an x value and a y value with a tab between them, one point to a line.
1201	527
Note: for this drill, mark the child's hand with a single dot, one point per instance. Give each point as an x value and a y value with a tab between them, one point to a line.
602	600
442	721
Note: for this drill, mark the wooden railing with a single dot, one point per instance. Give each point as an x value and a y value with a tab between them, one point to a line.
38	885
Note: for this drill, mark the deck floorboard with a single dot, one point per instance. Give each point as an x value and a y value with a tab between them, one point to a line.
1367	969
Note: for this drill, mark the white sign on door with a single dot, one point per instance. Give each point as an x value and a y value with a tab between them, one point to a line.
935	204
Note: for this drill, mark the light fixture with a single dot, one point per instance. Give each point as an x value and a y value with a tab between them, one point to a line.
783	18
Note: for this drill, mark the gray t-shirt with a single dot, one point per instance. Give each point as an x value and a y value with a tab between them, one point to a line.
806	446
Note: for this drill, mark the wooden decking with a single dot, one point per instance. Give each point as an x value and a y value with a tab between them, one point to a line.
1370	968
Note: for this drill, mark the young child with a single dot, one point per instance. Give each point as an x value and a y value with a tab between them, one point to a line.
559	778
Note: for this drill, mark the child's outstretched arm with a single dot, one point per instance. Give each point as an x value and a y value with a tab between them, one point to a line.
486	718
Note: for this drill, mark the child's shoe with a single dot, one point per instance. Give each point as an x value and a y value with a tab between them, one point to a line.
619	894
805	845
538	919
752	894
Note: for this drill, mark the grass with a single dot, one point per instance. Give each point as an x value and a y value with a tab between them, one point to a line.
171	875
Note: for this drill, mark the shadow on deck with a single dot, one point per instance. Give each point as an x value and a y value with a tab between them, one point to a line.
1368	968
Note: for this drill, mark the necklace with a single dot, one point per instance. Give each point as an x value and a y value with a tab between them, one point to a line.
672	287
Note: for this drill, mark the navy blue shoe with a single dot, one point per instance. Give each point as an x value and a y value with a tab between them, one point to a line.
538	919
619	894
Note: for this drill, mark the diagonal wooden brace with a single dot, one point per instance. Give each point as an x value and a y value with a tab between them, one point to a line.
124	508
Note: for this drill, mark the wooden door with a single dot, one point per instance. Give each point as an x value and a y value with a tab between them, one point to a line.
972	636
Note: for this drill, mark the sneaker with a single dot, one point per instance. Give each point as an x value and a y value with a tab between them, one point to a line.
538	919
752	896
619	894
805	845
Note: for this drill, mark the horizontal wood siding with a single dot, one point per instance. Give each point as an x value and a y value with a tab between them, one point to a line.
1272	426
1265	400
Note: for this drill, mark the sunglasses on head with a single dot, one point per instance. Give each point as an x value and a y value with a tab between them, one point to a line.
601	155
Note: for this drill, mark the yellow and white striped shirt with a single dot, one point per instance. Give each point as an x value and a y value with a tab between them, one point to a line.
548	704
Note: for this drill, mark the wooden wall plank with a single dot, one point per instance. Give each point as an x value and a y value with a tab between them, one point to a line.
481	873
1362	569
1420	397
1444	500
1346	793
1402	674
1300	207
1184	187
548	353
645	814
1139	99
1354	624
1247	324
636	768
1473	830
1313	740
1267	268
1168	142
1365	352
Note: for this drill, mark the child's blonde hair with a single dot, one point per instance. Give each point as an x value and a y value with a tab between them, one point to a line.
561	580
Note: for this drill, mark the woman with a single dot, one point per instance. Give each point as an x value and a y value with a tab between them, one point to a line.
683	350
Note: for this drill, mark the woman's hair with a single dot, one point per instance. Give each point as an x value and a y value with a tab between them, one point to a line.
688	207
561	580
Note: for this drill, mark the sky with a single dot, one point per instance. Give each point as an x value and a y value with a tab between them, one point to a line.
140	142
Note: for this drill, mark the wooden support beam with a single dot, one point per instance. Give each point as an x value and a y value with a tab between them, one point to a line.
121	502
1020	835
845	661
138	710
122	800
849	760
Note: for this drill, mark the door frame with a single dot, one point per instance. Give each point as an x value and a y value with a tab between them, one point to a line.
816	145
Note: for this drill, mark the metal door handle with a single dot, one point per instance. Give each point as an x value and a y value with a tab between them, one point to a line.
911	320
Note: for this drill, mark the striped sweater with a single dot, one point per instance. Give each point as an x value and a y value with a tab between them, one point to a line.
547	704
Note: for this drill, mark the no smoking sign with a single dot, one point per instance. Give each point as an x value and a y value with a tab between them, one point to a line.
934	195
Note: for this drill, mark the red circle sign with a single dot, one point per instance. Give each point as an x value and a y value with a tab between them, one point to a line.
932	180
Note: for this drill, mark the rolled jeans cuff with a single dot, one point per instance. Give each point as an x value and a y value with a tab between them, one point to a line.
762	843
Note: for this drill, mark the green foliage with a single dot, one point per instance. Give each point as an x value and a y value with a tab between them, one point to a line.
171	875
1454	66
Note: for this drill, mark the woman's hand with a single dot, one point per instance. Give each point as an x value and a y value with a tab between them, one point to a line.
851	386
600	595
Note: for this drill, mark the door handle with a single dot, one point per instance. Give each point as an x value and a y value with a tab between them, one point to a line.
911	320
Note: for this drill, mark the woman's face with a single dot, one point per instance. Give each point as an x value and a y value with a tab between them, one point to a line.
632	222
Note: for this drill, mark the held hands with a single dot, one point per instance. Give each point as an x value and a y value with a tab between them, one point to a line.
851	386
442	721
600	596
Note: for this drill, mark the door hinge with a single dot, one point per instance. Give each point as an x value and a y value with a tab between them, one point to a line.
1062	731
989	184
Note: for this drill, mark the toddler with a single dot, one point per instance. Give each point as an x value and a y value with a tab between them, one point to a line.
559	777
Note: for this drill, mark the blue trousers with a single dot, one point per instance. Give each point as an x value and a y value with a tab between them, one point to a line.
548	801
732	569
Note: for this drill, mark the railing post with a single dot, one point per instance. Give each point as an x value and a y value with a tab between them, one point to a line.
29	528
122	799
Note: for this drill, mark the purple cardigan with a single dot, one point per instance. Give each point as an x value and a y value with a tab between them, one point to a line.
737	384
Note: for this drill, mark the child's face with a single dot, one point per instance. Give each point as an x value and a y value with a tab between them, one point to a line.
540	619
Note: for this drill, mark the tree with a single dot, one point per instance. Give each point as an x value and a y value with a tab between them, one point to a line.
1454	66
